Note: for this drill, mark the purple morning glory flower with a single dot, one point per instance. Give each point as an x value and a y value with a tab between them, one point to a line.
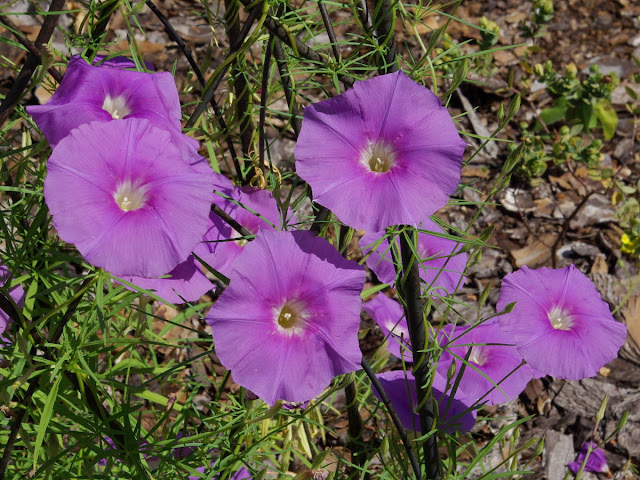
288	322
384	153
442	263
90	93
116	191
185	283
16	293
493	360
596	462
559	323
389	315
222	245
400	386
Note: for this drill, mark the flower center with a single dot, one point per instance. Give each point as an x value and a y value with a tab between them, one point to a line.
560	319
130	196
378	157
478	355
290	319
238	238
398	330
116	106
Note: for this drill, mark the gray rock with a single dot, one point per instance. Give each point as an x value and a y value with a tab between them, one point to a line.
558	452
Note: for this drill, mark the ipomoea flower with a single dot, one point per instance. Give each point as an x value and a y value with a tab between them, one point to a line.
16	293
117	192
442	264
559	323
185	283
222	245
288	321
384	153
596	462
389	315
400	387
91	93
494	372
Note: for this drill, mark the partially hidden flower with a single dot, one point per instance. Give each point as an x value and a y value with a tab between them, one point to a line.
493	372
385	152
596	462
252	208
16	293
400	386
389	315
185	283
560	324
288	321
118	62
242	474
91	93
118	194
442	265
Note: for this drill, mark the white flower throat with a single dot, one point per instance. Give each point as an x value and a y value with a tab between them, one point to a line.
116	106
130	196
290	319
560	319
378	157
478	355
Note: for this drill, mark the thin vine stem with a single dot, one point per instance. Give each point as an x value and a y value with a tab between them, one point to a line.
24	77
196	69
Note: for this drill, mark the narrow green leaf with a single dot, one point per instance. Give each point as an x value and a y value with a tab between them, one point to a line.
46	418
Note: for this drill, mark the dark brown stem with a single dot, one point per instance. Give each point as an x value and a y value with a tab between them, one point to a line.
394	417
327	25
229	220
283	70
383	29
304	50
264	87
22	81
414	312
105	10
31	47
208	93
196	69
239	82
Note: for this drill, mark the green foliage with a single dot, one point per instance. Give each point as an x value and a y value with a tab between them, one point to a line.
542	13
578	107
586	103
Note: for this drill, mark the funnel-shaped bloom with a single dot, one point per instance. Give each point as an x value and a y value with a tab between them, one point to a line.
596	462
389	316
185	283
288	322
494	372
400	386
384	153
116	191
222	245
16	293
559	323
90	93
442	264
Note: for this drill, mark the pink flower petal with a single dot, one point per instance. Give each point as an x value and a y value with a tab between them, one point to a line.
560	324
301	276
